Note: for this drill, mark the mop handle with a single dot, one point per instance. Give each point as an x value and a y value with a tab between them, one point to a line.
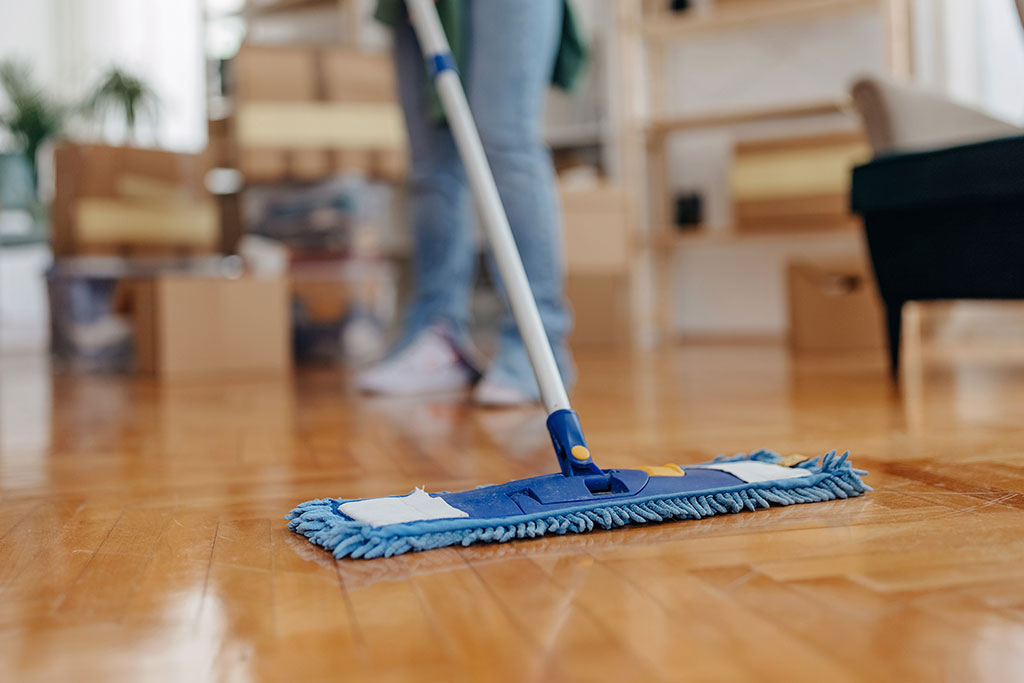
435	47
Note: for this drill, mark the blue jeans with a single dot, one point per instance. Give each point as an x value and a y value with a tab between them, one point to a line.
511	45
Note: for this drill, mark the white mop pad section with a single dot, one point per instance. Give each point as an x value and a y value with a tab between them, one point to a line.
418	506
752	471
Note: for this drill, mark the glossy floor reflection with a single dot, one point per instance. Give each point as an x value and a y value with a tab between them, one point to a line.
141	530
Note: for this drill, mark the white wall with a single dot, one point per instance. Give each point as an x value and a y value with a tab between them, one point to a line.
24	313
27	32
27	35
972	51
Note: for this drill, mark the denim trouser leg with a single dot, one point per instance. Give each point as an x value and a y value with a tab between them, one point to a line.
513	49
444	253
512	46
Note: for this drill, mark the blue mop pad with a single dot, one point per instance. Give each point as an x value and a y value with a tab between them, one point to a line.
559	504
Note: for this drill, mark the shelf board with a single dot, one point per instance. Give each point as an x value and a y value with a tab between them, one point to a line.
662	125
281	6
670	25
671	238
574	135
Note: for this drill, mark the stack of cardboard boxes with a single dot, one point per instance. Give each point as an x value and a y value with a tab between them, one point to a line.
123	200
138	272
303	113
598	245
318	136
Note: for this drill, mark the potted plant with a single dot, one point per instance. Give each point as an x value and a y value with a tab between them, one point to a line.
32	117
120	92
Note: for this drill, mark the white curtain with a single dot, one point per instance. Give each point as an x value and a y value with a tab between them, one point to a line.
160	40
973	50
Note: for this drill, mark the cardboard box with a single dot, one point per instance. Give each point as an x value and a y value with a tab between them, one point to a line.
309	164
114	222
282	73
601	310
302	113
834	306
259	165
793	214
598	253
187	327
275	74
597	229
796	183
351	75
319	125
112	200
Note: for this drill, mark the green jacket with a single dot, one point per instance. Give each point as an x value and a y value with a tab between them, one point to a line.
569	61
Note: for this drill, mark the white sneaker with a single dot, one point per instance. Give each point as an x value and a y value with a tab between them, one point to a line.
430	365
496	395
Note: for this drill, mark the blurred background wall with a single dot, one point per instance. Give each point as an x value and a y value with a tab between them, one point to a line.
712	277
70	42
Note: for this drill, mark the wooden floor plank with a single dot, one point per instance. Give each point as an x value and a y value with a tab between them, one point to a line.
29	597
114	573
144	539
472	622
546	615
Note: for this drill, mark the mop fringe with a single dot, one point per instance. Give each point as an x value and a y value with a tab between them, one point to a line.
320	522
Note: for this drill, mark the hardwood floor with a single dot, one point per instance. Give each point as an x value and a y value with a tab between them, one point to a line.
142	539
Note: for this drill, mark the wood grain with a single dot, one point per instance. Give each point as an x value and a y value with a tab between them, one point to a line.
142	533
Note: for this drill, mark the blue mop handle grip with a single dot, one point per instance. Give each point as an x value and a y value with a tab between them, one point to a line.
570	446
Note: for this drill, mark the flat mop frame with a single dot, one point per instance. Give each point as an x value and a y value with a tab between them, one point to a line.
563	424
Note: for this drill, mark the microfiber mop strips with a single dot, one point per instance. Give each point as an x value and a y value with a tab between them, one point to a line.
556	504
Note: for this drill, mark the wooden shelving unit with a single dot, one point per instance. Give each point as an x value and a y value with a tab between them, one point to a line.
661	126
258	9
742	13
649	26
672	239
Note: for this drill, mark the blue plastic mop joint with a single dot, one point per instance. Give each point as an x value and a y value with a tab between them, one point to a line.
570	447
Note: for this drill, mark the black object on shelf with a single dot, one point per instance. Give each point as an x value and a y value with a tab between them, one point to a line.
944	224
689	210
679	5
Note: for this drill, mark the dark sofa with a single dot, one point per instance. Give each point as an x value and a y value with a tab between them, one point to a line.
944	224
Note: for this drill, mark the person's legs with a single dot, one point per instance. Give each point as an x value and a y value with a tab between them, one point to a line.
513	44
444	254
427	357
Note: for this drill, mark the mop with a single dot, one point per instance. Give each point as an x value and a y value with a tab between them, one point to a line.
582	497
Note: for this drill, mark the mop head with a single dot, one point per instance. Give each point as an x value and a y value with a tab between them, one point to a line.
556	504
